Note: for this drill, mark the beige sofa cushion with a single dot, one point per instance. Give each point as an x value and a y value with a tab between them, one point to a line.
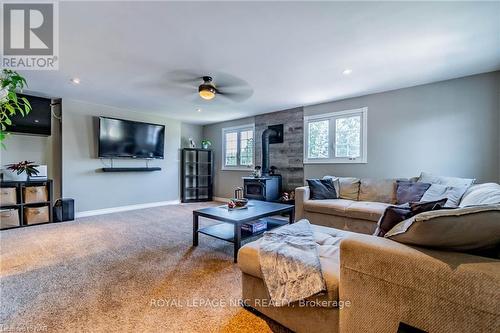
379	190
481	194
362	210
328	244
459	229
366	210
329	206
349	186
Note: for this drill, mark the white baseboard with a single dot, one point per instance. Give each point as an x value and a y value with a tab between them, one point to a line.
220	199
125	208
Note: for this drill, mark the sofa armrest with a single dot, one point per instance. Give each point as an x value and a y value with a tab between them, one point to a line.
302	194
436	291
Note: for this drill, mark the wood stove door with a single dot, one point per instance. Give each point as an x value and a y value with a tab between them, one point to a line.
255	190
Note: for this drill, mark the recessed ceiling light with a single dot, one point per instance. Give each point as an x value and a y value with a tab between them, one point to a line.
199	110
347	71
75	80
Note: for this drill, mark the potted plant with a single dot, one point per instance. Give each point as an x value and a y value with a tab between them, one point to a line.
21	171
10	103
205	144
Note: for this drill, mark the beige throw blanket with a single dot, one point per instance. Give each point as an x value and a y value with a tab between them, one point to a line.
290	263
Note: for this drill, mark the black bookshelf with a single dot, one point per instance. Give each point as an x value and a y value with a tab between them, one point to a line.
20	204
197	175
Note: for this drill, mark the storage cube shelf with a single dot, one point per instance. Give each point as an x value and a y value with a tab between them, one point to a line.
24	203
197	175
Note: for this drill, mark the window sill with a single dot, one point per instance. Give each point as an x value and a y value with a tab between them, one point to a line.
250	169
336	162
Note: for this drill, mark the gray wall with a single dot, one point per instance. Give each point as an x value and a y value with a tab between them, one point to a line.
26	147
225	180
93	189
191	131
448	128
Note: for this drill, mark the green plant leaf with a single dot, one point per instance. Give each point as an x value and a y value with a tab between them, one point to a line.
12	104
10	108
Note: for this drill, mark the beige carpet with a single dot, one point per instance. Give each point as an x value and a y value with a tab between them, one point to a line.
126	272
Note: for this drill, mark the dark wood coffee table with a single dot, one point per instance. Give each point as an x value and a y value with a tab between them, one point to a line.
230	229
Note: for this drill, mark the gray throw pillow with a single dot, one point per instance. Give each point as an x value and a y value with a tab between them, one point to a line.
322	189
408	191
336	183
437	192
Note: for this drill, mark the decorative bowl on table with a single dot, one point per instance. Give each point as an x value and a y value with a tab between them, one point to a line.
237	203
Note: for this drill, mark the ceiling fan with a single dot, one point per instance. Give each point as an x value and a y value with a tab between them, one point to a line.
209	87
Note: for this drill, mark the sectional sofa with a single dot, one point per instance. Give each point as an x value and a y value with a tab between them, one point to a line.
363	201
375	284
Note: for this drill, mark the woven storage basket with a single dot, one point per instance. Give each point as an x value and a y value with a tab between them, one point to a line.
8	196
34	215
9	218
34	194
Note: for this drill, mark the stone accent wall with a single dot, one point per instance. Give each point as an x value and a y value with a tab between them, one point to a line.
287	156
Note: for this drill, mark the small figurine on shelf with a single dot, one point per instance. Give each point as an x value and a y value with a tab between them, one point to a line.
272	170
192	144
257	172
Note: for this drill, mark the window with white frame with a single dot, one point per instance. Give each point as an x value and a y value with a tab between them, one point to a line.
337	137
238	147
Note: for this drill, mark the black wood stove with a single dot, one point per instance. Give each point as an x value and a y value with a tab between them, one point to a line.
267	187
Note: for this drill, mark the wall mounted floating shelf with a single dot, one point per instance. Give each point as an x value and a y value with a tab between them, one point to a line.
130	169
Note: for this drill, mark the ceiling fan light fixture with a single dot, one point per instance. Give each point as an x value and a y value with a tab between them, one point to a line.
206	91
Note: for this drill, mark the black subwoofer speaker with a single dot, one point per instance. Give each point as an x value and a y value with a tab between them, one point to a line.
64	210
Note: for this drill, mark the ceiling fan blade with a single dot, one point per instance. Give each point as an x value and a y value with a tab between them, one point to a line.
225	81
236	96
185	77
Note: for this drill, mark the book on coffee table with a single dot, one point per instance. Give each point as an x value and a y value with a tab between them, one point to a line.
254	226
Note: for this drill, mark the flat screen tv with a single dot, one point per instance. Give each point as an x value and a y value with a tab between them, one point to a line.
130	139
37	121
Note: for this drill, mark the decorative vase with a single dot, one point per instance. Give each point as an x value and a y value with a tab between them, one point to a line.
257	173
9	175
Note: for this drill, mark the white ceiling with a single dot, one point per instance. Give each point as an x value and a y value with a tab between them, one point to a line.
290	53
